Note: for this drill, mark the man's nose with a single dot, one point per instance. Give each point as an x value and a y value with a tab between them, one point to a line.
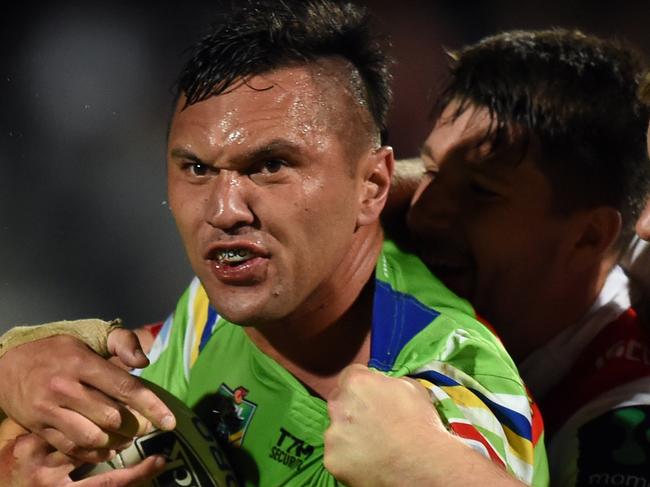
229	202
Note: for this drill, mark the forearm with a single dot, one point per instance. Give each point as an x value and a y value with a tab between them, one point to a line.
462	465
406	179
92	332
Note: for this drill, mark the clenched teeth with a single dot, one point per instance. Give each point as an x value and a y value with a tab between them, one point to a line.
234	255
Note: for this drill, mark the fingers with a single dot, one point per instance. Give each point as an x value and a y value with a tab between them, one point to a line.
116	402
130	391
353	370
143	425
86	455
33	464
81	430
99	409
348	375
64	463
125	345
127	477
421	389
41	467
61	400
30	446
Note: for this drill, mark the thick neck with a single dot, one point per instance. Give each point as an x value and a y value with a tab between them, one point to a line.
332	329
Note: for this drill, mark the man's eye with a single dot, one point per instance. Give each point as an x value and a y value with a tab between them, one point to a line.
481	190
196	168
273	165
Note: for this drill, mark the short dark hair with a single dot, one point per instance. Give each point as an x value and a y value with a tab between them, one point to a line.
578	95
258	36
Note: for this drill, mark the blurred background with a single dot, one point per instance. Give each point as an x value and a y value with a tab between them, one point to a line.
85	98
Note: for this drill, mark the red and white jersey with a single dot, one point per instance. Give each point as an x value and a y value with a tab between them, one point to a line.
592	382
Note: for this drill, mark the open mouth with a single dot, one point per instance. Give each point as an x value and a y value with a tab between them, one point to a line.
234	257
239	264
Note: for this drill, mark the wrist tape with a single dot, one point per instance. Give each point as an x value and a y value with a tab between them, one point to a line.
93	332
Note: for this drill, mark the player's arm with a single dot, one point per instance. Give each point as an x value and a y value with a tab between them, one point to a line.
385	431
72	397
406	179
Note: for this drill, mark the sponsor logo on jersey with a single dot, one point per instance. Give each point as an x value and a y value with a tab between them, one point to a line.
614	449
291	451
627	349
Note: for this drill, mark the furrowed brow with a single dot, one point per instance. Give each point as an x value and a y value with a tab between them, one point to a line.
180	153
269	149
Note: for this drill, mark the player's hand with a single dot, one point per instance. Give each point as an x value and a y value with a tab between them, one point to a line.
76	400
28	461
386	431
376	422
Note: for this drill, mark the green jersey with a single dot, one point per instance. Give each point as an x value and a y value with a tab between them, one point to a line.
419	328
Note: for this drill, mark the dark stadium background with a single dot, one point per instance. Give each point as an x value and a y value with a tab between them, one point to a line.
84	102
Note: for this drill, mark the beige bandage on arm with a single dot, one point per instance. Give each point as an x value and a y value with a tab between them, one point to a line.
93	332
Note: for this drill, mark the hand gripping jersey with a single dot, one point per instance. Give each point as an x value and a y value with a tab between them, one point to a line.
419	328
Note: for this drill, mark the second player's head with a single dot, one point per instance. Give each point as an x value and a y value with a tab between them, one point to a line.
537	172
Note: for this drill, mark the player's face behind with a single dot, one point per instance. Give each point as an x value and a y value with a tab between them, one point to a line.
269	193
483	220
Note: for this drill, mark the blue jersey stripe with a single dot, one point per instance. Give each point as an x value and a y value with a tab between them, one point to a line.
209	326
397	318
512	419
515	421
436	378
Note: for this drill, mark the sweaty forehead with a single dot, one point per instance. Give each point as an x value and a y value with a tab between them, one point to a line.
303	101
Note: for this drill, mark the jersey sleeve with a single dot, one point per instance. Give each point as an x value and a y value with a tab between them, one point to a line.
423	330
481	399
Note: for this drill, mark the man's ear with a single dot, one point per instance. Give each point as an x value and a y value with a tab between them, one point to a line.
596	235
377	171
